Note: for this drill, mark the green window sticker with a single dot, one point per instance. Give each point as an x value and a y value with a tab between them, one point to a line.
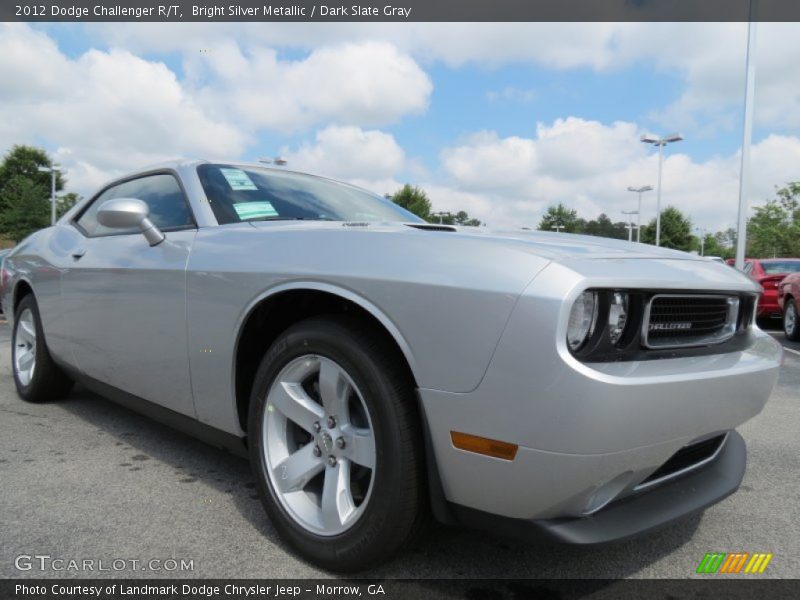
254	210
238	179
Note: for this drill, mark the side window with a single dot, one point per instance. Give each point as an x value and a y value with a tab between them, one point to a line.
748	266
168	207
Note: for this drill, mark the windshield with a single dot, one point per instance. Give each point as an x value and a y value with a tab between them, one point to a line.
238	193
778	267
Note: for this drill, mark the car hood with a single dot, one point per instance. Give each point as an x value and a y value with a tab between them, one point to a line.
548	245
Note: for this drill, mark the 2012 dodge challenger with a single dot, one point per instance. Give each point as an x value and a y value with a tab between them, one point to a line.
379	369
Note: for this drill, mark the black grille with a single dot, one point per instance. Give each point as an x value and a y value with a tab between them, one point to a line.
687	457
685	320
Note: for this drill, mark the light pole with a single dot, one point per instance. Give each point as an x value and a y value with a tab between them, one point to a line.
629	226
640	191
702	233
52	170
660	142
747	135
440	215
558	228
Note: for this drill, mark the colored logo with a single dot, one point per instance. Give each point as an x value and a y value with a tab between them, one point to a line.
735	562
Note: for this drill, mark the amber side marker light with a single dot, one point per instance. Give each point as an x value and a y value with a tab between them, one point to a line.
482	445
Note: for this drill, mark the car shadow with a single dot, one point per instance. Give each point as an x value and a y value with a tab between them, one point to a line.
444	553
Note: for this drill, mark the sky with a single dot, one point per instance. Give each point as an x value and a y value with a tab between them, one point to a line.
498	119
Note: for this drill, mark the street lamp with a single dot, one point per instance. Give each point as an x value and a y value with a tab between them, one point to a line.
52	170
702	233
629	226
660	142
640	190
440	215
558	228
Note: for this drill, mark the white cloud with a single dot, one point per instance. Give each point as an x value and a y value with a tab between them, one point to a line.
105	111
588	166
364	84
707	57
350	153
487	162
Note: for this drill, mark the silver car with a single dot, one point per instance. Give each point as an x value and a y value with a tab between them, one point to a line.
379	370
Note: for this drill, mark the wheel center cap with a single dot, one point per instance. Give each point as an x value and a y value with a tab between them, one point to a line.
326	442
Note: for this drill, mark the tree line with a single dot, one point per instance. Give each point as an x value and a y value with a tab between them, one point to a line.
415	200
773	230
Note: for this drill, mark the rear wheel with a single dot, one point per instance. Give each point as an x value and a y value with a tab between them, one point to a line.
791	326
336	444
37	377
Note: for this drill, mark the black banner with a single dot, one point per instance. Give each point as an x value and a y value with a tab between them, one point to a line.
401	10
467	589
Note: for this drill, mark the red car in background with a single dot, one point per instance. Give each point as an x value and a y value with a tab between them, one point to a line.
789	301
769	272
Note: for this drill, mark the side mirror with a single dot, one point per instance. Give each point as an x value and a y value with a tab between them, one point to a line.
129	213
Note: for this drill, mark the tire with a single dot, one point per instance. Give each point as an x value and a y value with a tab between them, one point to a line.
44	380
385	508
791	320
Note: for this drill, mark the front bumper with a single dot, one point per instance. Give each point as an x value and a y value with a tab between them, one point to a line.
635	514
587	433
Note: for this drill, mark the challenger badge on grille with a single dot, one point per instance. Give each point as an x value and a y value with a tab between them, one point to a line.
684	320
669	326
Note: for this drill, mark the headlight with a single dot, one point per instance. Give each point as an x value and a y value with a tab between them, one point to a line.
582	318
617	316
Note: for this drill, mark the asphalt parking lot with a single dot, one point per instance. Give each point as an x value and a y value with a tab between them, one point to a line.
86	479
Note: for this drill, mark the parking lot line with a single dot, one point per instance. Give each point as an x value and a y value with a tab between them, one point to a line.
792	350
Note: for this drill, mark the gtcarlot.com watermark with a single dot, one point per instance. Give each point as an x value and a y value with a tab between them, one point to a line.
46	562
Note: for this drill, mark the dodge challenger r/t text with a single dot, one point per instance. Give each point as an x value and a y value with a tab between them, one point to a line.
379	370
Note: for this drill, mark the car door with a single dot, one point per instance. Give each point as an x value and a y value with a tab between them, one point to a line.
126	300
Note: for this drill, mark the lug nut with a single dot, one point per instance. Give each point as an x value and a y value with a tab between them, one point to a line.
331	461
340	442
331	422
316	426
317	451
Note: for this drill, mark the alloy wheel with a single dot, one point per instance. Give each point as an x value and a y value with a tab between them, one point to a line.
25	347
319	445
790	318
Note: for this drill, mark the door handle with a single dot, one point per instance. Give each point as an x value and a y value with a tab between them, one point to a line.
78	254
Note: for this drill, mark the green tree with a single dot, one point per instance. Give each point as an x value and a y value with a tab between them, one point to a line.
774	228
65	202
459	218
711	246
25	191
413	199
605	227
566	219
726	239
26	160
676	230
26	208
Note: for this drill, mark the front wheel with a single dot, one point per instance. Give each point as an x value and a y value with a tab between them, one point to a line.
791	326
37	377
336	444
